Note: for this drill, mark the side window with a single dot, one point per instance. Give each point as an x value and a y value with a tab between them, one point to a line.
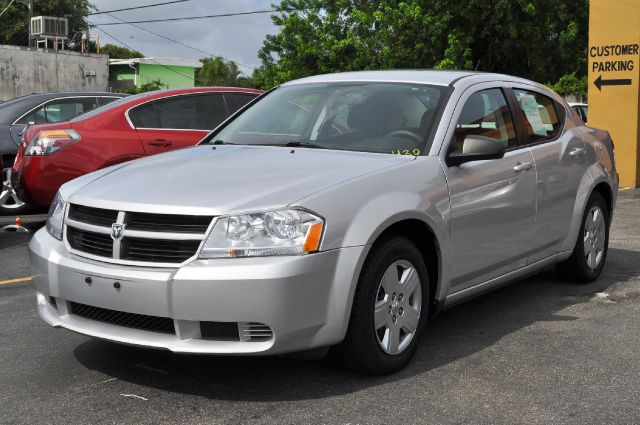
35	117
65	109
236	101
485	114
189	112
59	110
540	115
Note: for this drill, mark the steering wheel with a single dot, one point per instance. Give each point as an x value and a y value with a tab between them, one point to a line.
406	134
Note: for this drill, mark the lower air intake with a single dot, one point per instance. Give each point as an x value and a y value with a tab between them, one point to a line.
251	331
120	318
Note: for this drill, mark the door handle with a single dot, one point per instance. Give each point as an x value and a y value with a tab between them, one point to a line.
522	166
576	153
160	143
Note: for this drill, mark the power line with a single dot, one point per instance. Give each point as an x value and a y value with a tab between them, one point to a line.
174	41
151	59
97	12
190	18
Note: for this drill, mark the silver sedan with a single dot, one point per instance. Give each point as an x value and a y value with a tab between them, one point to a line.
335	212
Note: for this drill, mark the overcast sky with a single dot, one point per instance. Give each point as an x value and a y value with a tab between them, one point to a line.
236	38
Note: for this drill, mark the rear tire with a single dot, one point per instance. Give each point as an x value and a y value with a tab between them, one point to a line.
590	252
10	202
390	309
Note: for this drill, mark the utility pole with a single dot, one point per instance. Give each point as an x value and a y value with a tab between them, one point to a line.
30	6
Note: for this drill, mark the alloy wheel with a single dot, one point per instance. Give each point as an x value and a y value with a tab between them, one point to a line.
594	237
9	199
397	308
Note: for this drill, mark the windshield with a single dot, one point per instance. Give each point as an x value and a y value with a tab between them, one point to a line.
393	118
110	105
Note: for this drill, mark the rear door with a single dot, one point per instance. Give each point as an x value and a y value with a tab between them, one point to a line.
177	121
561	162
493	201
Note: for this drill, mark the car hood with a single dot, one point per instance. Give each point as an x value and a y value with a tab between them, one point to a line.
223	179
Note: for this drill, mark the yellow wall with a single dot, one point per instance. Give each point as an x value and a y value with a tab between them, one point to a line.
614	36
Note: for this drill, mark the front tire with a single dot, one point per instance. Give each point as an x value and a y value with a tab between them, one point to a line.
390	308
590	252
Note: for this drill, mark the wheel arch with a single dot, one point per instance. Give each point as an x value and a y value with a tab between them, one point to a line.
605	190
423	235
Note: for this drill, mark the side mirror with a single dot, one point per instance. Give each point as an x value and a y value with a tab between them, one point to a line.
477	148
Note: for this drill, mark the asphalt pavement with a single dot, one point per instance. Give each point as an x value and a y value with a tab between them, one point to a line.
539	351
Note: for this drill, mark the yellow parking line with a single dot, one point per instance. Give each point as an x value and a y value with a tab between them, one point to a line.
22	279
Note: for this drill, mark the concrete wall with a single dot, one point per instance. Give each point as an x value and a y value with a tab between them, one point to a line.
24	71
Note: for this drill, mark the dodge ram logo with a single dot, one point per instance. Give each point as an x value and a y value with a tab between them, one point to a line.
116	231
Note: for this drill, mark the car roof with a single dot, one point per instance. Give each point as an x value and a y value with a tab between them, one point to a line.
138	99
419	76
169	92
441	78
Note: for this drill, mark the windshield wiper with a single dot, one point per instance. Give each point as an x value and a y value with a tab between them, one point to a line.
222	142
298	144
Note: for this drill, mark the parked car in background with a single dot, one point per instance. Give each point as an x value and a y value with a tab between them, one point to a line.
582	109
40	108
136	126
338	211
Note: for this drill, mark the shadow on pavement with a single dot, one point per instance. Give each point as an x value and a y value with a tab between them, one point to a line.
11	239
455	334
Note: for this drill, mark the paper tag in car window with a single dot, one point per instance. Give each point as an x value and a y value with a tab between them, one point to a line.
531	110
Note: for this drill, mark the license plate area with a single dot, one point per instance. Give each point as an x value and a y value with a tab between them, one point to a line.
147	297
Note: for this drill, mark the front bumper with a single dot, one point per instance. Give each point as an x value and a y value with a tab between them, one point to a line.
304	300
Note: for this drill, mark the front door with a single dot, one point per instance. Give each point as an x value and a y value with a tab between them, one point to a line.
493	201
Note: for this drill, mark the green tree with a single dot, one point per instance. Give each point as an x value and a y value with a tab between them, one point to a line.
216	71
537	39
14	26
571	84
118	52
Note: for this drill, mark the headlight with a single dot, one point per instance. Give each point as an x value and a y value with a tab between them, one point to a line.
56	217
47	142
264	233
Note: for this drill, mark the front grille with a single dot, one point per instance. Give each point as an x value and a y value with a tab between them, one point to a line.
168	222
90	215
158	250
120	318
90	242
146	237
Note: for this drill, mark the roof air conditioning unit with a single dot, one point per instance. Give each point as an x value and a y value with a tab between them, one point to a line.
49	26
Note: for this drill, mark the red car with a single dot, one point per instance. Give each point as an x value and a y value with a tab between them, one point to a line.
129	128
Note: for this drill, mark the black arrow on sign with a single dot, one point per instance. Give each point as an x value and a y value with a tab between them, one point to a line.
599	82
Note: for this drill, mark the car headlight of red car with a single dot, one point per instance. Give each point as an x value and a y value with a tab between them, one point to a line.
47	142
